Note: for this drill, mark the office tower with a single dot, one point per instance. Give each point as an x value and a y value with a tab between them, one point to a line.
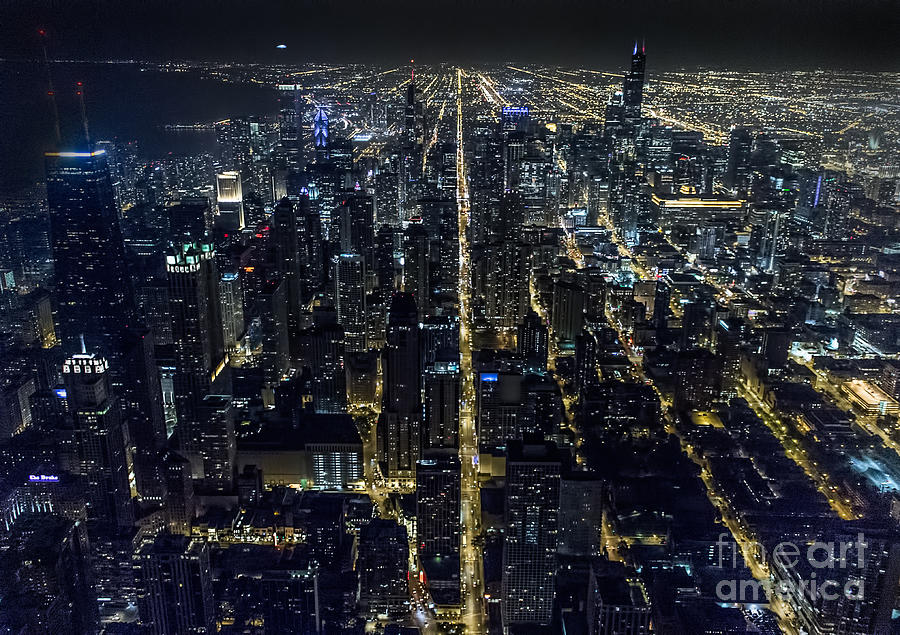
363	378
498	407
230	202
836	222
15	404
180	505
440	335
776	346
501	280
141	394
730	335
385	246
355	226
437	504
661	302
617	601
440	218
586	351
633	86
401	412
320	135
416	276
312	259
382	564
567	313
274	329
580	514
231	295
533	342
92	285
350	300
438	481
218	445
697	378
323	353
99	440
442	395
272	591
199	347
175	586
532	525
697	322
48	584
738	170
285	235
190	219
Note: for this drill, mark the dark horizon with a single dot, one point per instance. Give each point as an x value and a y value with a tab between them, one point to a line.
759	35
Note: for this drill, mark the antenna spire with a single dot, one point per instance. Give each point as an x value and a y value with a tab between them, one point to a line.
50	92
83	347
79	91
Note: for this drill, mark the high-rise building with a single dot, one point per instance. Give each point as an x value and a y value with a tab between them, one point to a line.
533	342
285	235
416	277
437	504
738	170
92	286
498	407
442	396
580	514
218	446
382	563
199	347
100	444
175	586
438	481
230	202
323	353
567	313
350	299
401	413
532	526
633	86
50	583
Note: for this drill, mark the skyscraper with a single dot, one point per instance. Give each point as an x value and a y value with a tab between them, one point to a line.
442	395
633	86
230	197
287	263
92	286
198	337
382	565
532	524
175	583
416	277
350	299
99	440
401	414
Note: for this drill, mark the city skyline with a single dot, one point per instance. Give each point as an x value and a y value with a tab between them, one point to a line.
459	348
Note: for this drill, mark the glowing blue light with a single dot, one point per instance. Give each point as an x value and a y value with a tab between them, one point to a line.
43	478
60	393
488	376
281	46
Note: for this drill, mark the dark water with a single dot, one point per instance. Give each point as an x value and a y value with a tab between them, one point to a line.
122	102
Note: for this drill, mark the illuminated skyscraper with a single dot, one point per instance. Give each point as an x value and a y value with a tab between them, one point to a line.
230	197
401	414
320	134
633	86
532	526
92	287
99	440
198	337
350	299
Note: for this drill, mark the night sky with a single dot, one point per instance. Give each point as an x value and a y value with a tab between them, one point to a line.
752	34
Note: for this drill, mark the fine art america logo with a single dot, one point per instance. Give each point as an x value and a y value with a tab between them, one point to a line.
817	570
